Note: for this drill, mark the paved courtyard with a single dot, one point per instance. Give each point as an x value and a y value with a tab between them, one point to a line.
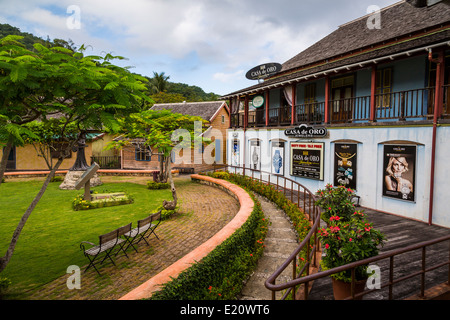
197	221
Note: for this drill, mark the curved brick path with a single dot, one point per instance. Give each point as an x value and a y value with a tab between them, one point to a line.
198	221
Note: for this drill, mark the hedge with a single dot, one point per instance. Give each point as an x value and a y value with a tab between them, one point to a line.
222	273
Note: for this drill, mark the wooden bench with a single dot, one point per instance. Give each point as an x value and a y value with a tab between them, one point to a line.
184	169
106	244
145	228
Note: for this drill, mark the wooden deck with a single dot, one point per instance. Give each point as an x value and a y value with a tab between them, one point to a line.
401	232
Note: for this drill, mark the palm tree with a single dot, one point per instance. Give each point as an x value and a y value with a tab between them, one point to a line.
159	82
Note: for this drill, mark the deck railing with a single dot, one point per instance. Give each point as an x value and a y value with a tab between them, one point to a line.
305	200
416	104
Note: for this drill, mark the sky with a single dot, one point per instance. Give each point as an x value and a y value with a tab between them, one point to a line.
207	43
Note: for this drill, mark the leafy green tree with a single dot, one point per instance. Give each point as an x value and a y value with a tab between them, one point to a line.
161	130
159	82
87	92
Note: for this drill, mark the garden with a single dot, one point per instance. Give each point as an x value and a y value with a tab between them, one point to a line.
50	240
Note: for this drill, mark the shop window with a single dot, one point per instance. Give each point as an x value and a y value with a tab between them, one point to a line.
143	153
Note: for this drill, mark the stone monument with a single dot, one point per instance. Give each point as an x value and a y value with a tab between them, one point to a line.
79	168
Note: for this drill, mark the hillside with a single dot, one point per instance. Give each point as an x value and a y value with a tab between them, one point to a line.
175	92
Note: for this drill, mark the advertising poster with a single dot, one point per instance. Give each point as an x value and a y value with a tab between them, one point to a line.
307	160
399	165
278	158
345	165
255	155
235	153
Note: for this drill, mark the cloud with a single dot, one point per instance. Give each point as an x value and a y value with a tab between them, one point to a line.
228	77
224	37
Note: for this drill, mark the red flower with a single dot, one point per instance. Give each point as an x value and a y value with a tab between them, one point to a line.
327	246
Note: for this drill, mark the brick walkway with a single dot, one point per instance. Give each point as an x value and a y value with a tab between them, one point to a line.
197	221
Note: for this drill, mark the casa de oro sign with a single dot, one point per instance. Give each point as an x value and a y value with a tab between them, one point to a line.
304	131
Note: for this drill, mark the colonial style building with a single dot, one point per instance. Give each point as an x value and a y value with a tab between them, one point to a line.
367	107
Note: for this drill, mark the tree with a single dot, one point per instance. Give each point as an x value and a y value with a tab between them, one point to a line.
87	92
161	130
159	82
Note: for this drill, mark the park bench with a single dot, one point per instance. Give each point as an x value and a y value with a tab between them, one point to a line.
145	228
184	169
107	243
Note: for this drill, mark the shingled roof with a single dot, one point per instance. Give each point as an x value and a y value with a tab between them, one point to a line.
207	110
403	27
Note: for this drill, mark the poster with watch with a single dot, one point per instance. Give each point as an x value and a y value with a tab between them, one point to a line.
255	155
278	159
399	164
345	158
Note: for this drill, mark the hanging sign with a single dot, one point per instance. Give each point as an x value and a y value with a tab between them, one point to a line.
307	160
258	101
263	71
304	131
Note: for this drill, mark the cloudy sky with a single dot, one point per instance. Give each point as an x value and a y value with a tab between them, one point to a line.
208	43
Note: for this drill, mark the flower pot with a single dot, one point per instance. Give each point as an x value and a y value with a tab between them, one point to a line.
342	290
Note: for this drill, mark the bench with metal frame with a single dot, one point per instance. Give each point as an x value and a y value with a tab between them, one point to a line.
107	243
145	228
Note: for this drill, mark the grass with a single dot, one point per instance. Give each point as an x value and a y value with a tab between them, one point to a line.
50	240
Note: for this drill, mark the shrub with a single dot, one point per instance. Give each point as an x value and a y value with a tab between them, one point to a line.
335	201
152	185
220	275
80	204
4	284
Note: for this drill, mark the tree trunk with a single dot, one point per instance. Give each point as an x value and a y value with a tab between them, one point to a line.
171	205
5	156
9	252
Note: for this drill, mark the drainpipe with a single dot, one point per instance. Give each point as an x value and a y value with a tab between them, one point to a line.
437	109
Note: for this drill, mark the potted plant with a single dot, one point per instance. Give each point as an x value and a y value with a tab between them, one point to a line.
347	239
334	201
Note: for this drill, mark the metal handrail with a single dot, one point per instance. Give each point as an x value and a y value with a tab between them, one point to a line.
389	254
313	215
311	254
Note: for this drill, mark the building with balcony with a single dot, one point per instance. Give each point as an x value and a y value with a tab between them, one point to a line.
368	106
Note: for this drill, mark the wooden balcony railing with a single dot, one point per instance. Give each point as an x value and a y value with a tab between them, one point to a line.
416	104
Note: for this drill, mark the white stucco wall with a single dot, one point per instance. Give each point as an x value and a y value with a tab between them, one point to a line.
370	170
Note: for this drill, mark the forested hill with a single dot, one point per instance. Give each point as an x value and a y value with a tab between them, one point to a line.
173	92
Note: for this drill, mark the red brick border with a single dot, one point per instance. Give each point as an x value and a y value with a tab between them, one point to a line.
246	207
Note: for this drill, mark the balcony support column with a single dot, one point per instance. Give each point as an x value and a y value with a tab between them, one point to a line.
327	100
266	105
246	112
373	88
438	102
294	87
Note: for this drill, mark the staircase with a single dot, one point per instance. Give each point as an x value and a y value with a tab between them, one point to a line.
281	241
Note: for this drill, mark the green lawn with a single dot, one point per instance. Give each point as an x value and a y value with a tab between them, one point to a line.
50	240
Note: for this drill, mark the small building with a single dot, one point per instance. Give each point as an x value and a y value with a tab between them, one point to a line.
26	158
216	113
368	107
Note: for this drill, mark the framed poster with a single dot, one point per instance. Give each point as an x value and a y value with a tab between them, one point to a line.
235	154
345	165
399	165
307	159
277	157
255	155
